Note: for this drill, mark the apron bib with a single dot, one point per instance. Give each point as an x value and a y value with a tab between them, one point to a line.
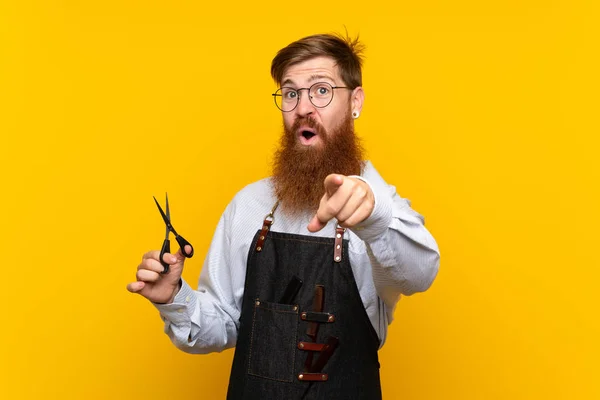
304	332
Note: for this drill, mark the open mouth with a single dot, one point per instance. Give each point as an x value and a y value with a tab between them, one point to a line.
308	135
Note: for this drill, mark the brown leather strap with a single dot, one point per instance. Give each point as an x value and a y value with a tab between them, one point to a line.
313	327
312	377
308	346
265	228
338	245
325	355
317	317
318	300
263	233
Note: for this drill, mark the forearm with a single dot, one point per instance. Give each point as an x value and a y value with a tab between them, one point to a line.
204	320
196	324
404	256
405	259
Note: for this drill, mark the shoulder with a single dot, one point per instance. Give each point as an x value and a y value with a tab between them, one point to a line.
256	198
369	172
257	192
372	176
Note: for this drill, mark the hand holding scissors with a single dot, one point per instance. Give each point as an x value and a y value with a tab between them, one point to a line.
152	280
166	247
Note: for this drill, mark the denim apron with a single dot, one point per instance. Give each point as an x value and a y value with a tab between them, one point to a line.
320	344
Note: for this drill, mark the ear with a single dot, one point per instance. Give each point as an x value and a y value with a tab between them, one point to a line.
357	99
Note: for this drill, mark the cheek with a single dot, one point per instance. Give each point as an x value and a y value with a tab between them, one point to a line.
288	120
335	115
331	120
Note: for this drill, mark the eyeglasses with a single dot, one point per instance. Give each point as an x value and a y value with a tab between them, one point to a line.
320	95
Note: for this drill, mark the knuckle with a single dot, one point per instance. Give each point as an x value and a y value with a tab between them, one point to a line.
350	222
145	264
360	191
330	209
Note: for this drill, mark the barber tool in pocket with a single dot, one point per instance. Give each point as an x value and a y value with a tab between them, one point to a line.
313	327
291	290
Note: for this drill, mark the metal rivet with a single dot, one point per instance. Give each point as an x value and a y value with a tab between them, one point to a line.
324	377
338	236
265	228
300	376
295	308
262	238
258	248
257	303
331	318
337	247
303	315
301	345
337	258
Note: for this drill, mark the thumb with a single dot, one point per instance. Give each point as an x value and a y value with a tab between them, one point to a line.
332	183
315	224
178	258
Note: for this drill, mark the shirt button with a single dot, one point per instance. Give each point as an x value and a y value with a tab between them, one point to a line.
187	299
180	310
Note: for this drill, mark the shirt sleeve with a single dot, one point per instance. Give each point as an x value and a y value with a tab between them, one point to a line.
403	254
204	320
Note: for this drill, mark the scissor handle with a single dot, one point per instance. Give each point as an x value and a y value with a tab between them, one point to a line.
182	243
166	248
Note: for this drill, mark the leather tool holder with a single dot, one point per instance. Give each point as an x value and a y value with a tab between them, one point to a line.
313	327
314	374
325	350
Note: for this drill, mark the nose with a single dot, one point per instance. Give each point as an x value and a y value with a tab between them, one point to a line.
305	107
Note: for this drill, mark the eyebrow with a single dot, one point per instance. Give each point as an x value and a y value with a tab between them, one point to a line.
312	78
316	76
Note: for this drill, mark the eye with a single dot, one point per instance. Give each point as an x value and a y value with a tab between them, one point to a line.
322	90
289	94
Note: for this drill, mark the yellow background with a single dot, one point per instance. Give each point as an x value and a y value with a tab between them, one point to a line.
483	113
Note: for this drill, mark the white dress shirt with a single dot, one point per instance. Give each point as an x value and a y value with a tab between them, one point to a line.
391	254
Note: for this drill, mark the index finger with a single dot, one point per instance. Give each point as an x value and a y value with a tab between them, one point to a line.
332	183
153	254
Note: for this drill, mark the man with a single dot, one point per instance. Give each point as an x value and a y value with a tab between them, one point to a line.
307	292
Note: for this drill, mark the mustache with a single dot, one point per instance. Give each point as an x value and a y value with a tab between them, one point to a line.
309	122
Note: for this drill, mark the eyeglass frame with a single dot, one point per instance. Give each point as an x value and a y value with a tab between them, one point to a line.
309	97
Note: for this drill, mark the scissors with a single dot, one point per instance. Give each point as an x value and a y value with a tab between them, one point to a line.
166	247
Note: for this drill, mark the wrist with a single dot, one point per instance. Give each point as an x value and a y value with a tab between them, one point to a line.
176	290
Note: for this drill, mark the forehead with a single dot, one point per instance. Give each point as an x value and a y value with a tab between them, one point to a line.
315	69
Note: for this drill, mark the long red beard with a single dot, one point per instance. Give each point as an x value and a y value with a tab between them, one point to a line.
300	171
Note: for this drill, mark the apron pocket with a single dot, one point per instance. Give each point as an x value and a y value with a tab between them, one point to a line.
273	340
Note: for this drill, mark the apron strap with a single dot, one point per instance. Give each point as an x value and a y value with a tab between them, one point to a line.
270	218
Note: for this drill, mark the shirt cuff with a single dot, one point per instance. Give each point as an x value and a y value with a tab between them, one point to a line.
182	307
380	219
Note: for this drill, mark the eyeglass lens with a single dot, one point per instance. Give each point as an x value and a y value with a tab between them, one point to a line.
320	95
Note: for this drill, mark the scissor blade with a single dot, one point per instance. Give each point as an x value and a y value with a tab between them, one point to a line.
168	212
169	226
165	218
